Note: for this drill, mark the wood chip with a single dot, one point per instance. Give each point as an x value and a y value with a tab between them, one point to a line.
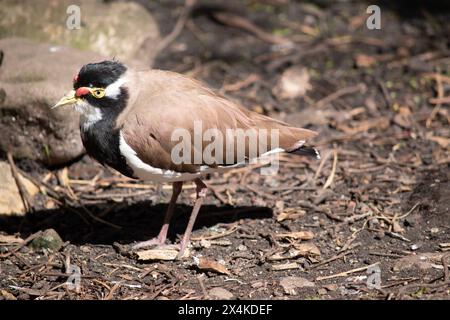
285	266
307	248
7	239
157	254
302	235
290	214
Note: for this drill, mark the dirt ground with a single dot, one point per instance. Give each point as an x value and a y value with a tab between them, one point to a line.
376	205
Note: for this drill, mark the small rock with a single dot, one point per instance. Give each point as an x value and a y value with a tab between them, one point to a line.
242	247
220	294
290	284
322	291
49	239
379	235
415	246
205	243
434	231
412	220
331	287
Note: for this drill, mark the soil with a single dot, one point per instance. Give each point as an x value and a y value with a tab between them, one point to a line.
384	205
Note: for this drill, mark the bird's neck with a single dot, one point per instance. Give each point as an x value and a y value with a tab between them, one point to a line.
101	138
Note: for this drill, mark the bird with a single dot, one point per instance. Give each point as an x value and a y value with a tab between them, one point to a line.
128	118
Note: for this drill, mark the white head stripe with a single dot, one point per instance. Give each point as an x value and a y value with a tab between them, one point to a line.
113	90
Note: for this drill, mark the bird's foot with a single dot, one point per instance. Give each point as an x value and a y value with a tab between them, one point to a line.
154	242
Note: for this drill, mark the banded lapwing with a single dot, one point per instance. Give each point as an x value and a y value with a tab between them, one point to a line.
129	119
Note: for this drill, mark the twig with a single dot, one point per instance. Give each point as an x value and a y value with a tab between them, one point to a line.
336	257
440	99
22	244
333	170
396	236
22	191
409	212
444	264
111	292
339	93
346	273
202	286
67	203
239	22
179	26
385	92
322	163
252	78
217	194
216	236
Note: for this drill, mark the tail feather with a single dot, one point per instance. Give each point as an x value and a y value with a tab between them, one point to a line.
306	151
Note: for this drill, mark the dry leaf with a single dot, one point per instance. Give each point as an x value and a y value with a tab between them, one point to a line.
443	142
307	248
10	199
302	235
364	61
29	186
290	214
301	250
210	265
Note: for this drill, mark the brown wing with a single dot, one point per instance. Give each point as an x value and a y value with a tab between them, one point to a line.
167	101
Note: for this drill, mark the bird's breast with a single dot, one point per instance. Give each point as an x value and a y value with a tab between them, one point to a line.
101	141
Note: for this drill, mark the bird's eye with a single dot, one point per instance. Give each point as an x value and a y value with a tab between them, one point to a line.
98	93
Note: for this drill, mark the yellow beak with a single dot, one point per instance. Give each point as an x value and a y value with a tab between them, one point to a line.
67	99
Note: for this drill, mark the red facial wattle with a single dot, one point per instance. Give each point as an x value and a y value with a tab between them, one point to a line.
82	91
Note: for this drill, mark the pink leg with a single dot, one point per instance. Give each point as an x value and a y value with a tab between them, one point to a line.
201	194
162	236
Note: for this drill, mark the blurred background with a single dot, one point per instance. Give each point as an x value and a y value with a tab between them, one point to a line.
378	98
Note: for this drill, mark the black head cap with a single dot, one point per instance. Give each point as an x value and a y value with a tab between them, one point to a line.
100	74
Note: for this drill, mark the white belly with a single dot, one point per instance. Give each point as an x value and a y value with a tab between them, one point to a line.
145	171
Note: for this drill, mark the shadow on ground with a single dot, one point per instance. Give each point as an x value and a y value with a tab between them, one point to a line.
137	222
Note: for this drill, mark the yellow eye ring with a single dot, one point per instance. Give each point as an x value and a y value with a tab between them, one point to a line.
98	92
